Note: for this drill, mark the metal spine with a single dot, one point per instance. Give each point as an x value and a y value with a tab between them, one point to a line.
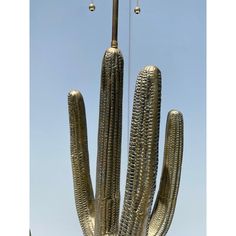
84	197
109	144
143	154
166	200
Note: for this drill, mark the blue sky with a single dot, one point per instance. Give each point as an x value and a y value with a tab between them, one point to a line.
67	46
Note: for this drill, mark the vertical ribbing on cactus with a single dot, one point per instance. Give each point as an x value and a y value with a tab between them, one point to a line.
100	216
137	219
164	207
109	144
143	150
83	191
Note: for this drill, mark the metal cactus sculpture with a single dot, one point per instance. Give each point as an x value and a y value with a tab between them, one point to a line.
99	214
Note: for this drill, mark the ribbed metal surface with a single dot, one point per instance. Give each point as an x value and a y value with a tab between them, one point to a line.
84	198
143	152
167	196
109	144
100	216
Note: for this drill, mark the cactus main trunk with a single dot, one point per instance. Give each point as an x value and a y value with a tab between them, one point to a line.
109	144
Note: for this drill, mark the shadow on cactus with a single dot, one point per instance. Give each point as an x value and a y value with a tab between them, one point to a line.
99	214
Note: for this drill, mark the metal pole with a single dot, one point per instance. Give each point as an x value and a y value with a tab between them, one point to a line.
114	42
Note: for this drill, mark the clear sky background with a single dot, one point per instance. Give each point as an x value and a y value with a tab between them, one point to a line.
67	46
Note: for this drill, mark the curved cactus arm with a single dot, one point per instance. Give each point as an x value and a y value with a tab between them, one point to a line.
84	197
166	199
109	144
143	153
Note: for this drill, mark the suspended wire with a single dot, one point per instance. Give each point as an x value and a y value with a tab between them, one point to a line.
129	76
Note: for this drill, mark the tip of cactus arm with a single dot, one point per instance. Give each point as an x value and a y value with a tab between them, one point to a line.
174	112
74	93
152	69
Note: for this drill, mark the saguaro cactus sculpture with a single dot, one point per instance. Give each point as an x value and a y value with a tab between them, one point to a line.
99	215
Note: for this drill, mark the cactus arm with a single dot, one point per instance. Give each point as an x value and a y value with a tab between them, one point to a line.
166	199
109	144
143	153
84	197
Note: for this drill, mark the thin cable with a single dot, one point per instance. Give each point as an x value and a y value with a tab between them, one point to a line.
129	76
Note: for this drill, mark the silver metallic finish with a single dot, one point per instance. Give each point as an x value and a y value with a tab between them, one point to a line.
143	151
109	144
167	196
84	197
